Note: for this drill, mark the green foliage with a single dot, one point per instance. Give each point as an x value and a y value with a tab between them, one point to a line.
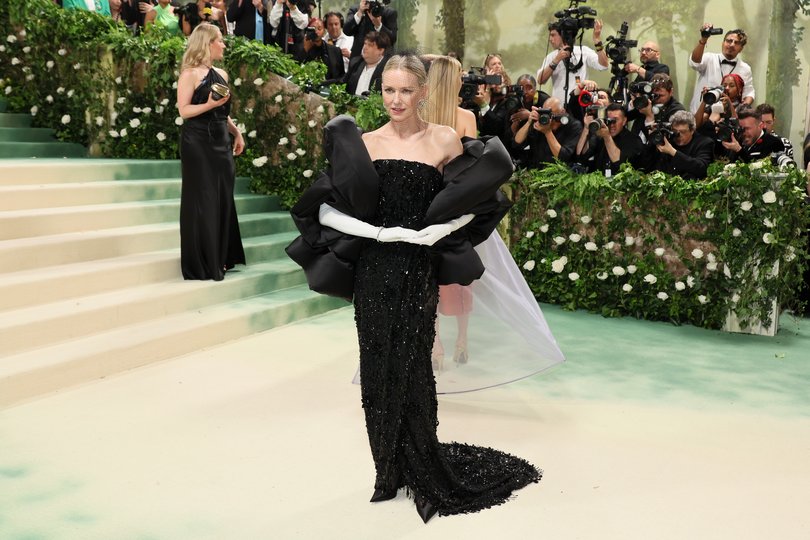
371	113
657	247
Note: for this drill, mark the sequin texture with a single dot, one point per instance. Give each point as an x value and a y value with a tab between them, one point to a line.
396	295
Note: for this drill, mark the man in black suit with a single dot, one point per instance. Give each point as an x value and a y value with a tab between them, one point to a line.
250	17
365	71
360	21
689	153
755	143
314	48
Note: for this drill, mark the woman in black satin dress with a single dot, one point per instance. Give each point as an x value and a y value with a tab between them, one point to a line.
210	242
396	214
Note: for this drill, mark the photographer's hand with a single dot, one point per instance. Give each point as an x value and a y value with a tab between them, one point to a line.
697	52
363	7
519	116
597	31
666	148
376	21
732	145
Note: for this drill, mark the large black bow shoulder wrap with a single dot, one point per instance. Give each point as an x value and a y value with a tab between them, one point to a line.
350	184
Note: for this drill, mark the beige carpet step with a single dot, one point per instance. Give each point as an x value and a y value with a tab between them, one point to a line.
45	324
27	253
35	373
50	284
49	170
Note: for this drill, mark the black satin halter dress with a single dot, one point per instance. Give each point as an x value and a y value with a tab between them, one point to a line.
210	242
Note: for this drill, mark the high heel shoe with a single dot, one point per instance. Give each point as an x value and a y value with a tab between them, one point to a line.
460	356
381	494
425	509
437	361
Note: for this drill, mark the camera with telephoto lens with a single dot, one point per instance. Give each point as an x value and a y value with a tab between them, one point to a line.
376	7
472	79
597	111
710	31
644	95
659	132
545	117
728	127
713	95
574	19
594	126
618	46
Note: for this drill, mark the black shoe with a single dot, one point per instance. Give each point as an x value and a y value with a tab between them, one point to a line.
383	495
425	509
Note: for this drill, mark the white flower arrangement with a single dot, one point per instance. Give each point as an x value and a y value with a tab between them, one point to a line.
147	110
745	206
710	257
15	61
282	141
736	232
26	49
627	287
551	213
178	121
114	134
300	151
573	276
134	123
574	237
60	90
49	64
631	269
711	267
529	234
697	253
124	132
559	240
292	130
680	285
529	265
768	238
591	246
544	228
651	279
618	271
61	52
703	299
11	38
161	136
557	265
66	119
260	161
662	295
307	173
291	156
49	98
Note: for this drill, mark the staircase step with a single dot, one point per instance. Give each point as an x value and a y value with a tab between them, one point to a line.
21	197
41	149
34	373
47	170
28	134
39	326
15	120
29	288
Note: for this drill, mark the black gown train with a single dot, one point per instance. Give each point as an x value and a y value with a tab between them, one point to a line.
395	291
210	241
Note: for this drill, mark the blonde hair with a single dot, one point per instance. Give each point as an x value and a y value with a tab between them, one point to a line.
506	80
444	83
410	64
198	48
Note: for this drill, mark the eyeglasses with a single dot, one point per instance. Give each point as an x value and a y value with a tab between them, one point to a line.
731	41
647	49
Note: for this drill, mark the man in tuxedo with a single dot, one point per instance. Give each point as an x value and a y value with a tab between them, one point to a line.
713	67
250	17
338	38
314	48
365	71
360	21
755	143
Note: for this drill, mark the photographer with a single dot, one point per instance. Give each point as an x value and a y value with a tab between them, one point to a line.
585	94
713	67
548	134
367	17
605	143
657	108
499	101
315	48
334	27
754	142
569	61
250	19
531	98
680	150
287	24
649	55
768	115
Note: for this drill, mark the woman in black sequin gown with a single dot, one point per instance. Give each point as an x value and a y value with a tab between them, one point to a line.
210	242
395	289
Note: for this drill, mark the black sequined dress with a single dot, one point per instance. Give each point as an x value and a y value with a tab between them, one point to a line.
396	293
210	241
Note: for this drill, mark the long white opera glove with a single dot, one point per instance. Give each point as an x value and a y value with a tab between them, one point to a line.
433	233
347	224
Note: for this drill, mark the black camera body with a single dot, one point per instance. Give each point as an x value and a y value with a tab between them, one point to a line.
711	31
728	127
618	46
574	19
643	92
472	79
593	110
515	90
546	116
713	95
659	132
310	33
594	126
377	7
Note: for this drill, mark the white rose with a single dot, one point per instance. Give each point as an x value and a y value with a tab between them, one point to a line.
618	271
118	80
629	241
574	237
702	299
529	234
736	232
258	81
60	90
710	257
49	98
164	101
292	130
768	223
11	38
242	128
252	134
627	287
300	151
559	240
174	86
756	165
662	295
726	271
99	120
147	110
712	266
551	213
26	49
659	251
77	66
161	136
651	279
124	132
120	100
113	134
307	173
679	285
8	90
602	276
735	298
585	219
697	253
312	123
282	141
591	246
34	110
134	123
159	109
61	52
529	265
544	228
2	48
573	276
66	119
29	77
237	82
260	161
791	253
70	93
291	156
690	281
278	98
49	64
558	265
15	61
179	120
631	268
768	238
22	32
746	206
709	214
609	245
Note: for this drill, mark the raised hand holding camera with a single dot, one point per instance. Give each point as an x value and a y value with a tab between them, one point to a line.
708	30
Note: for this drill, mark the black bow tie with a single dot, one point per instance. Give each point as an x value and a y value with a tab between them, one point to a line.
732	63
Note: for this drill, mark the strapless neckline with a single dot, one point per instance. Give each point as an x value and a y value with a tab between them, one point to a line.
422	163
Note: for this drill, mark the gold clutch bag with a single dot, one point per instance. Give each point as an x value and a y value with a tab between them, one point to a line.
220	90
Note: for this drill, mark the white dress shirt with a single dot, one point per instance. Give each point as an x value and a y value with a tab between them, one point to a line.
589	59
365	79
711	73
